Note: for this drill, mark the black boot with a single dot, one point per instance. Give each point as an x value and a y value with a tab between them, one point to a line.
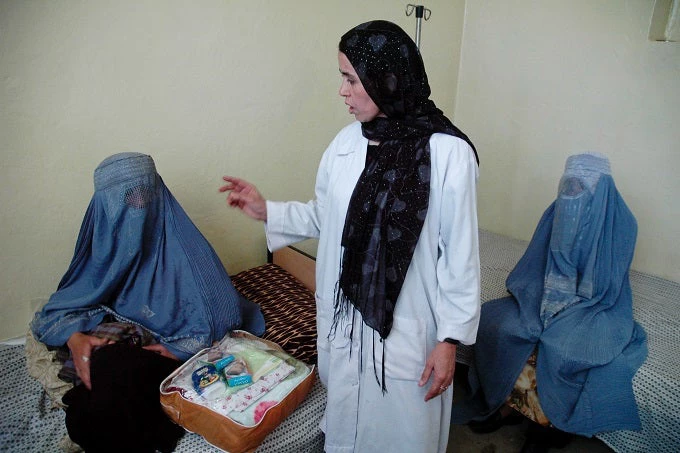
495	421
541	439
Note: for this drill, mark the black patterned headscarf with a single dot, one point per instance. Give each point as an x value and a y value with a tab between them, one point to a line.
390	201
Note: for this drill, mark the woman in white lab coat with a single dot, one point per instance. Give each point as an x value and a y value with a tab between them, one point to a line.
397	272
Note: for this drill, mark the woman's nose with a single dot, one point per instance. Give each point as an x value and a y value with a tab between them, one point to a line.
343	89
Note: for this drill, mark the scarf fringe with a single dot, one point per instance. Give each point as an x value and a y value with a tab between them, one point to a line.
342	308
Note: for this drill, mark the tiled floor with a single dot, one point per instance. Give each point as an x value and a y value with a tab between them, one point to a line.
508	439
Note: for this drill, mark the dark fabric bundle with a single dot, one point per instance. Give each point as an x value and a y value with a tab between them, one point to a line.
122	412
390	201
119	332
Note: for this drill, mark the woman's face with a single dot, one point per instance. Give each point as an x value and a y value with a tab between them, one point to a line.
360	103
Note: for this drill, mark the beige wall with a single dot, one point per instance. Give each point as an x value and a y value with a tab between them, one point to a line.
206	87
250	88
541	80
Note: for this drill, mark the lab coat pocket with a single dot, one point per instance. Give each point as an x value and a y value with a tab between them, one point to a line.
405	350
326	341
329	335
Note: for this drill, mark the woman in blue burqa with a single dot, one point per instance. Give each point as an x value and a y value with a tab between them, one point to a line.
570	300
144	292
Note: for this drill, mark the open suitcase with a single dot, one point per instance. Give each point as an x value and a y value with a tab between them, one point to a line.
236	418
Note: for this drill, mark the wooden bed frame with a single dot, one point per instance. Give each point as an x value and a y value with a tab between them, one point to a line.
298	263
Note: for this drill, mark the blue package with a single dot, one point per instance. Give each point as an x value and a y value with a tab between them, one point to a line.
204	376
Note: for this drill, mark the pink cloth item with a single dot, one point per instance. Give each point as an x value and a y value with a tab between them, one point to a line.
262	409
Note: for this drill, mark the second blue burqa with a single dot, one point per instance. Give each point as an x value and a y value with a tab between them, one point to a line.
571	299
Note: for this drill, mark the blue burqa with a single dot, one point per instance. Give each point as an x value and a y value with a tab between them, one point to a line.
141	259
571	299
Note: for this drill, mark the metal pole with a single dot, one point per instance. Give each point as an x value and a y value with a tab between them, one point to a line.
419	18
421	12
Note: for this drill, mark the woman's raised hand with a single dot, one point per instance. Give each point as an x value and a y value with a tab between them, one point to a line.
246	197
82	346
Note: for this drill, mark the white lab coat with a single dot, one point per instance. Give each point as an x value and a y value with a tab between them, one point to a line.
440	298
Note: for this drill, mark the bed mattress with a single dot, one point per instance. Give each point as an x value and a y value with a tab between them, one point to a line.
30	423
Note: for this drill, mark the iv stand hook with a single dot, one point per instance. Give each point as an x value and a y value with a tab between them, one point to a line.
421	12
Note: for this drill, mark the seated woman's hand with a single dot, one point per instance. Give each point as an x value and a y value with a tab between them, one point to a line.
160	349
81	346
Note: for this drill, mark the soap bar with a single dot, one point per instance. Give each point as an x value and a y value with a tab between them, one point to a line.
237	373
